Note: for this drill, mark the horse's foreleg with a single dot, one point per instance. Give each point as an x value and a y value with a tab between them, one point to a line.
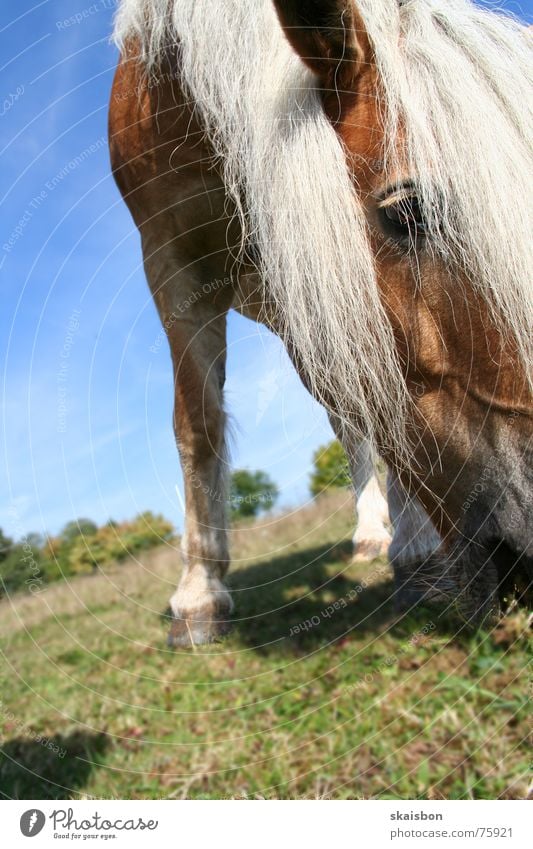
371	538
201	604
414	551
193	305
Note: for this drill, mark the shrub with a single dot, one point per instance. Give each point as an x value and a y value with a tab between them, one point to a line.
80	548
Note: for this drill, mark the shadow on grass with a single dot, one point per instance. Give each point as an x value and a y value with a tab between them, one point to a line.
55	768
287	604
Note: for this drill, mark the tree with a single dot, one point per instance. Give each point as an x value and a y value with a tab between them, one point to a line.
331	470
5	545
76	528
250	493
22	568
36	540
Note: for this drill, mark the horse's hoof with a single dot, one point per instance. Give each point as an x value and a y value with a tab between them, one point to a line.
187	633
369	549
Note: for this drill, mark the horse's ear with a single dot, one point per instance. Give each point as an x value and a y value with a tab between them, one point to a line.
329	35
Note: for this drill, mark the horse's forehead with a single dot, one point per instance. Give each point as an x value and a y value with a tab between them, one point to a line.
362	132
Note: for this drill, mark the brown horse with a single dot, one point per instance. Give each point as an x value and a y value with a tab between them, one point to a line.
352	174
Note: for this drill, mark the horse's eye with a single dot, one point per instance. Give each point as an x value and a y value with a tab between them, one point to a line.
402	217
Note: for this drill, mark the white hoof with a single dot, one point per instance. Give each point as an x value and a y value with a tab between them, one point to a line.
370	548
201	607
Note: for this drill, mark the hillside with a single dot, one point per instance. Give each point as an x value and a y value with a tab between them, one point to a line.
318	692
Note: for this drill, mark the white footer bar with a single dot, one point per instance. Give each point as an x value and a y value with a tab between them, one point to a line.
268	824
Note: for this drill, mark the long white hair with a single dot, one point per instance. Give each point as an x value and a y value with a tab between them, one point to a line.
456	76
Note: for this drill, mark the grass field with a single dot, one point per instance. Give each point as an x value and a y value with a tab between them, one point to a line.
354	704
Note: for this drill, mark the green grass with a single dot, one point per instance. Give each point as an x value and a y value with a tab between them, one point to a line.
350	708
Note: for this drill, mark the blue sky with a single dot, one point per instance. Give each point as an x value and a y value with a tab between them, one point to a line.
86	428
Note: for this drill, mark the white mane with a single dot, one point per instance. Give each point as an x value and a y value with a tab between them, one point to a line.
456	75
